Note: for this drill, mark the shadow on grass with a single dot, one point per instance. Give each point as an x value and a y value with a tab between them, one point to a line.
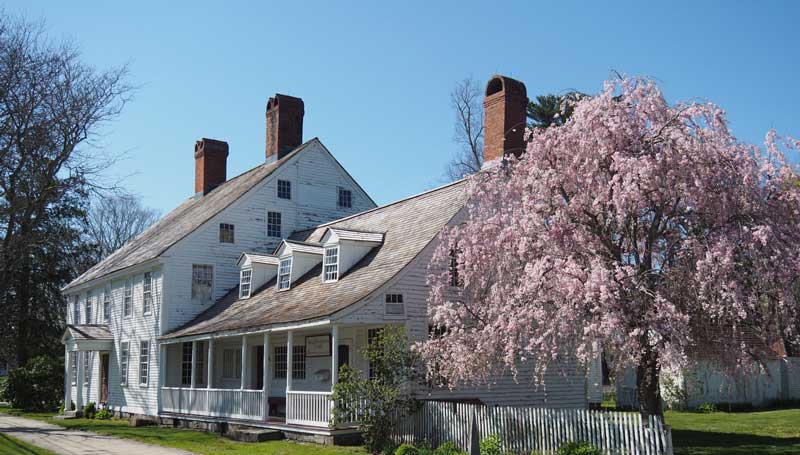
11	446
707	442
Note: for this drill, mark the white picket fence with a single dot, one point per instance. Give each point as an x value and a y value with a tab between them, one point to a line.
523	430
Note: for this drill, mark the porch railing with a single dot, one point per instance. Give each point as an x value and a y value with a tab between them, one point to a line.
308	408
233	403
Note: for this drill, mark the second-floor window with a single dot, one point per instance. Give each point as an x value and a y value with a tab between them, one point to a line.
245	278
284	273
127	299
345	199
226	233
87	311
331	264
274	224
202	282
107	303
284	189
76	311
147	293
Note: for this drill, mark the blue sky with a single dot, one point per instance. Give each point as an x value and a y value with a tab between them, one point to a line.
376	77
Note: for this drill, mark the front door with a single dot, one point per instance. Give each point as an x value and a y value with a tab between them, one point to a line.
104	378
344	355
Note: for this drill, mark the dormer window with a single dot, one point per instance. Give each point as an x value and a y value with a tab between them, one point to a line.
285	274
245	278
331	264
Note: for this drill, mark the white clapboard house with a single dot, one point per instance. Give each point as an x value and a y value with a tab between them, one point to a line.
240	305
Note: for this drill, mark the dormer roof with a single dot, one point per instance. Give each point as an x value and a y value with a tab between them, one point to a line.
354	235
292	246
257	258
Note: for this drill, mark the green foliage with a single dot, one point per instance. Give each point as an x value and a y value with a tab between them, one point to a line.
90	410
552	110
36	385
448	448
103	414
579	448
4	389
61	407
373	403
406	449
490	445
707	408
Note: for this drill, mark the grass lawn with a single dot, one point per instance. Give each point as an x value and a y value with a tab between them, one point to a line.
13	446
751	433
193	441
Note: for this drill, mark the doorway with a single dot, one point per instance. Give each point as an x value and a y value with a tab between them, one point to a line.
104	378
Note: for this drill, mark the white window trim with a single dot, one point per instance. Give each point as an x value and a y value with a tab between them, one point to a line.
124	348
87	308
107	298
147	363
147	309
281	274
249	282
213	280
325	278
127	291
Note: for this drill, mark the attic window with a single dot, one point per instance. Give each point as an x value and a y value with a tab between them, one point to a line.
226	232
331	264
284	189
345	198
285	273
245	278
273	224
394	304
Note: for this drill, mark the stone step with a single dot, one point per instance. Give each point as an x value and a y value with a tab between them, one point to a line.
67	415
255	435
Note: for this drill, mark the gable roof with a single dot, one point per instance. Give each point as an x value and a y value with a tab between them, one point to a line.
408	226
184	220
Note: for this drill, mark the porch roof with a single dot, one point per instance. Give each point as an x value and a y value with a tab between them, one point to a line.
408	226
88	337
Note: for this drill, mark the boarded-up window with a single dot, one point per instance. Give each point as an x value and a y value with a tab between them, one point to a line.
202	282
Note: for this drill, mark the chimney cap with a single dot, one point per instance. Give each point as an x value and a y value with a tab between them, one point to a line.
499	83
205	146
275	101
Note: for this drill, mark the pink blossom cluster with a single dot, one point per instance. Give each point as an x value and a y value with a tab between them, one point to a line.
639	227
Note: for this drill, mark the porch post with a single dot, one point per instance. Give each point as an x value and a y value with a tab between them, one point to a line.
162	374
210	361
243	381
265	379
79	383
334	355
67	380
194	364
289	349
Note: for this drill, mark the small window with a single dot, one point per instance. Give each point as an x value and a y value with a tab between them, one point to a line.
274	224
202	282
245	278
280	362
285	273
76	311
87	365
147	293
144	362
87	313
394	304
232	363
226	233
127	301
107	304
331	264
186	364
124	352
284	189
73	366
345	198
298	362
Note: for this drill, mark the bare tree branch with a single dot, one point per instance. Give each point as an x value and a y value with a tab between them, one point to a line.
466	102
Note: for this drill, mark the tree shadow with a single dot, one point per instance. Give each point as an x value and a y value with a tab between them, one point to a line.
704	442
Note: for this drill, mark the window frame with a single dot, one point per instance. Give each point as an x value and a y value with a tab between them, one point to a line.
147	293
344	199
76	310
127	299
299	362
330	271
209	267
124	361
73	368
87	365
274	224
285	272
227	233
186	365
199	364
245	272
107	303
87	308
234	362
144	363
286	191
394	298
279	362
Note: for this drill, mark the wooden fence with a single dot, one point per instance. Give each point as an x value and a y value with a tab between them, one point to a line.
523	430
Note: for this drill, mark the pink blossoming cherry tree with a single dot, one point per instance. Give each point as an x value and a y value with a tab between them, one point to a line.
639	228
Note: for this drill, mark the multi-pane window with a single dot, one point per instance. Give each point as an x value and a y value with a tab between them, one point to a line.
274	224
124	352
245	278
284	189
86	367
199	363
298	362
279	358
127	299
285	273
226	233
147	293
455	279
186	364
345	199
373	336
331	264
232	363
87	315
144	362
202	281
73	367
76	311
107	303
394	304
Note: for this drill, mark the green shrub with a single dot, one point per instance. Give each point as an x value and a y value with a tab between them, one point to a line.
707	408
103	414
4	389
89	411
389	447
406	449
490	445
448	448
37	385
61	407
579	448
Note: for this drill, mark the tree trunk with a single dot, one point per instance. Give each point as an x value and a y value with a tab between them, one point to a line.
647	386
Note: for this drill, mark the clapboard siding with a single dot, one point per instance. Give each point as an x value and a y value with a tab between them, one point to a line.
315	178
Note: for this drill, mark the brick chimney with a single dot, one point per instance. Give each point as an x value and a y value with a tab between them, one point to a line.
210	164
284	125
504	118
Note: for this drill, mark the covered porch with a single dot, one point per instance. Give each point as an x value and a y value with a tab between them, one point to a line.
83	382
281	377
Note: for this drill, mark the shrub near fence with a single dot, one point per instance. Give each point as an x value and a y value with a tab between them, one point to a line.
528	429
